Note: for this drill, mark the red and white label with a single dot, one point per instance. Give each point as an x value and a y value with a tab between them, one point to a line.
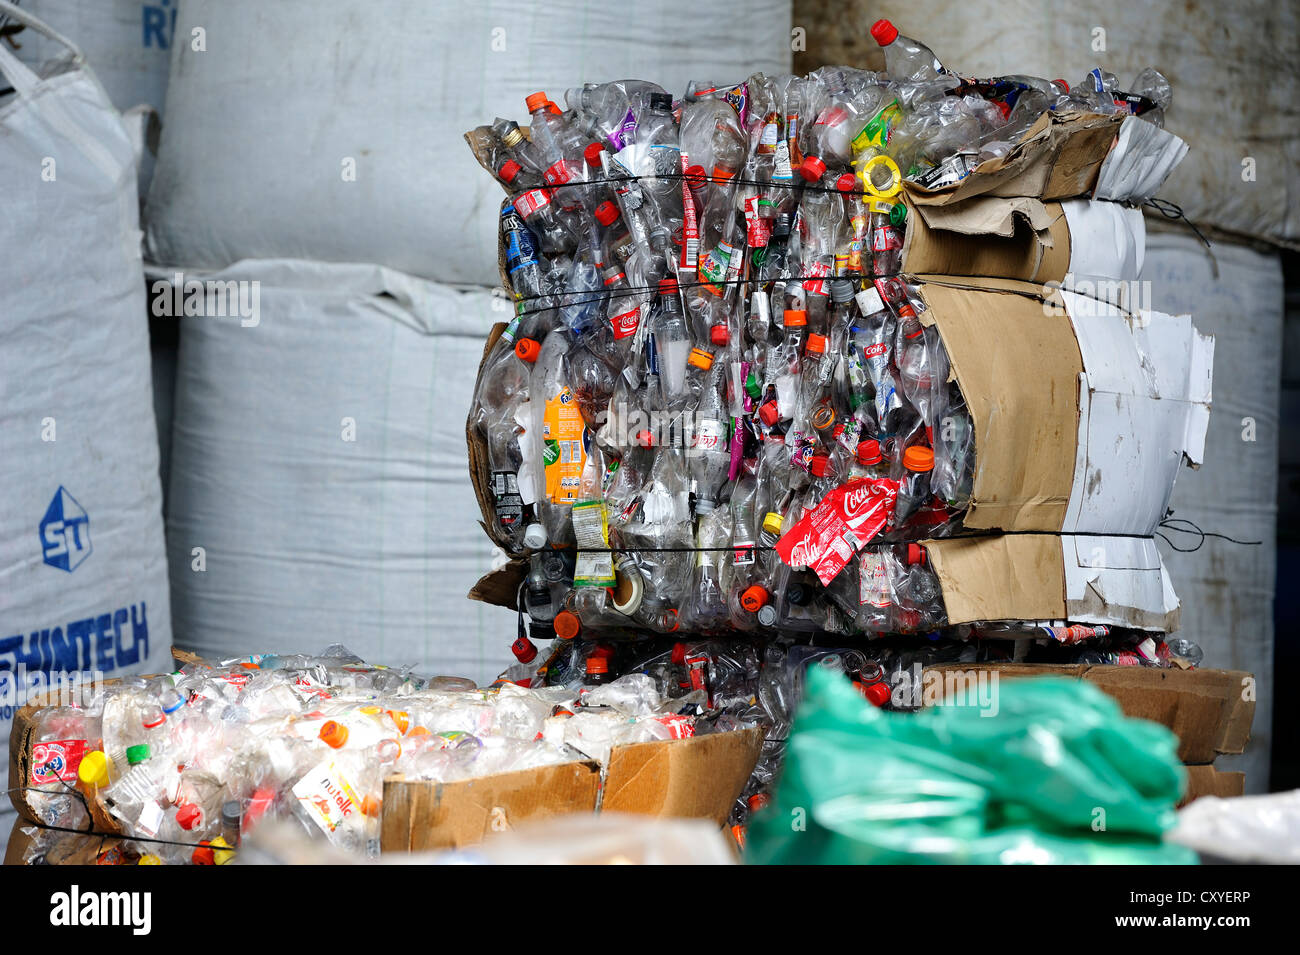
625	325
529	202
679	727
885	239
814	277
690	225
826	538
561	172
56	760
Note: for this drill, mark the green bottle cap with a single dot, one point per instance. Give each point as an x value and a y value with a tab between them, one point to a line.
137	754
898	214
752	387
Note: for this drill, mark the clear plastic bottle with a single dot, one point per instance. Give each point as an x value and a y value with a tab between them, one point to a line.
906	60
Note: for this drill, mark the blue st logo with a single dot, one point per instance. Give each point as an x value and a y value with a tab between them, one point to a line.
65	532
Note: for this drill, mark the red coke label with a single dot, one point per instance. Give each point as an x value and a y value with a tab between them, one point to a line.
849	517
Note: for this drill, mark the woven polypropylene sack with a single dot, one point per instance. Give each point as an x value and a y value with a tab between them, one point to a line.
83	576
331	130
318	487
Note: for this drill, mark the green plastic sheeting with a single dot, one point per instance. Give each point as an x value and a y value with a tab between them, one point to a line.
1045	770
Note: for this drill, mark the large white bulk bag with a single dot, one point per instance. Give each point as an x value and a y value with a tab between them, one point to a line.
1235	294
1231	68
319	483
83	578
328	130
127	43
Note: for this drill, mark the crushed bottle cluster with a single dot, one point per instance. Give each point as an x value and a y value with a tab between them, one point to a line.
720	407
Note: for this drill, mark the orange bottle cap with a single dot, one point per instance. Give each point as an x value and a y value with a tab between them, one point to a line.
753	598
700	359
795	317
527	349
918	459
567	625
536	101
816	343
334	734
371	805
401	719
597	665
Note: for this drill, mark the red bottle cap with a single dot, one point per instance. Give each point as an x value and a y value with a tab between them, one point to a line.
819	465
188	815
877	694
535	101
204	854
868	452
847	183
769	413
527	349
667	286
606	213
525	650
645	438
719	335
915	554
753	598
679	653
509	169
597	665
812	168
696	176
884	32
592	154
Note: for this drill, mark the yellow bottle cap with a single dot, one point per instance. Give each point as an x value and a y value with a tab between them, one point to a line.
93	770
772	522
868	177
224	851
149	860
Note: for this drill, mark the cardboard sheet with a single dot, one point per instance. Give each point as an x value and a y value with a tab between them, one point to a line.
1018	365
1059	157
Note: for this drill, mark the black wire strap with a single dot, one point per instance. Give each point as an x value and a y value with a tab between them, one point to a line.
1171	210
1170	524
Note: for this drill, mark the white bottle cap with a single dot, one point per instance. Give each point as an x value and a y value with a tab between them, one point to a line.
535	536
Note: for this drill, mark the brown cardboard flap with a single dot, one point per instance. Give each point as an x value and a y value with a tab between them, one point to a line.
1018	364
1017	238
500	587
1059	157
1208	781
67	849
698	778
1007	577
1206	709
421	815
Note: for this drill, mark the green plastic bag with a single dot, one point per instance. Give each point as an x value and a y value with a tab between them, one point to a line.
1053	772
